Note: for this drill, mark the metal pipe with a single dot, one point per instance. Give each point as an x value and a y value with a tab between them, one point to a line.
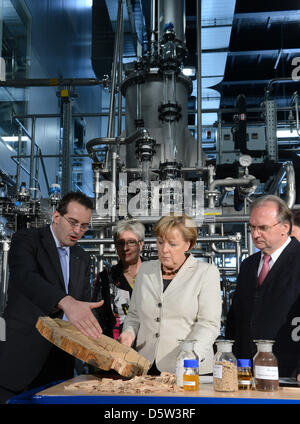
199	88
295	99
120	73
44	169
66	167
248	180
110	127
140	133
4	274
275	80
287	169
19	161
57	115
32	142
114	184
52	82
238	252
39	152
204	239
153	19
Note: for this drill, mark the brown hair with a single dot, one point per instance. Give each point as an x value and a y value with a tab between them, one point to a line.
183	223
74	196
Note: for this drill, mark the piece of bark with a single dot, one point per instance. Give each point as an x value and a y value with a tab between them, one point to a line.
104	353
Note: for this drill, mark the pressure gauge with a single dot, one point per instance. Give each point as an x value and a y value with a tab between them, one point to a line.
245	160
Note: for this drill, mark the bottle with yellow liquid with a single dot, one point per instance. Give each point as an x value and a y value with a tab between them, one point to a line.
191	375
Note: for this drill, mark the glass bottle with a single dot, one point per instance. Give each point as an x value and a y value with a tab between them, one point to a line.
190	375
225	369
244	374
265	367
187	352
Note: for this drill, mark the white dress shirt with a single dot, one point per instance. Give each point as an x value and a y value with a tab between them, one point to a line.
274	256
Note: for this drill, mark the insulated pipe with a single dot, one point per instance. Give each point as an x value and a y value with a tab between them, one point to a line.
286	170
140	133
231	182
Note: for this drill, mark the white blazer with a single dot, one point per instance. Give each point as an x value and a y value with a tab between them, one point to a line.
190	308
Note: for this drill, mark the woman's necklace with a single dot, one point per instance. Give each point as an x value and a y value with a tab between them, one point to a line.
132	276
169	272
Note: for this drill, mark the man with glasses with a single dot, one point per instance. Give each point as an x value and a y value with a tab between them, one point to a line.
266	302
49	276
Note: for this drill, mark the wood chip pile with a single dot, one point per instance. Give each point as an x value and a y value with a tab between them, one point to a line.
138	385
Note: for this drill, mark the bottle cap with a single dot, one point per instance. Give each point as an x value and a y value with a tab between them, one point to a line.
244	363
190	363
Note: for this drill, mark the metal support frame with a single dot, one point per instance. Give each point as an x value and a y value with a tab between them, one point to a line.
271	130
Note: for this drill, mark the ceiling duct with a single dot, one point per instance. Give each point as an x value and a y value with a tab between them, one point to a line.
102	39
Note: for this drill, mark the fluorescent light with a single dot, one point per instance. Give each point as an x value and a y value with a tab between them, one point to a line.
287	133
13	138
188	71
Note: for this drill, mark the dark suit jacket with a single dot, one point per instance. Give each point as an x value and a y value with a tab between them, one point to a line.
35	287
269	311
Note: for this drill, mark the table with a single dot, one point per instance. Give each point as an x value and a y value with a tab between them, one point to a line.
57	394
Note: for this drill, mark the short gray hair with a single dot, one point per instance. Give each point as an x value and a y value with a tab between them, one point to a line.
284	214
129	225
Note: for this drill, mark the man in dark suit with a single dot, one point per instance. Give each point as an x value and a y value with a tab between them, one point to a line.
41	285
266	303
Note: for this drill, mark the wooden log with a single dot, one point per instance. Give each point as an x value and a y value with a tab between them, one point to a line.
104	353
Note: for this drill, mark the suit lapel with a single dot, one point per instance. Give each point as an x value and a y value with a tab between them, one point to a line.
50	247
155	277
278	273
254	269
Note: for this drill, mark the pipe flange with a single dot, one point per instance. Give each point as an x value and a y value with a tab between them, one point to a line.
169	112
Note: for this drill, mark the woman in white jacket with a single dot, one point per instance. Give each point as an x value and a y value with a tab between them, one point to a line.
175	297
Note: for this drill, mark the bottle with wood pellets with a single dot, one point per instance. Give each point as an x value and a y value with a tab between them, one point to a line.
265	365
191	375
244	374
225	370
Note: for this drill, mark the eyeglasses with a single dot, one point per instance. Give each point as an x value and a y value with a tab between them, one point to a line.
73	223
129	243
262	228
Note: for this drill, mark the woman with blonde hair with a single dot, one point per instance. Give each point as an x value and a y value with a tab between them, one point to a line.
175	297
